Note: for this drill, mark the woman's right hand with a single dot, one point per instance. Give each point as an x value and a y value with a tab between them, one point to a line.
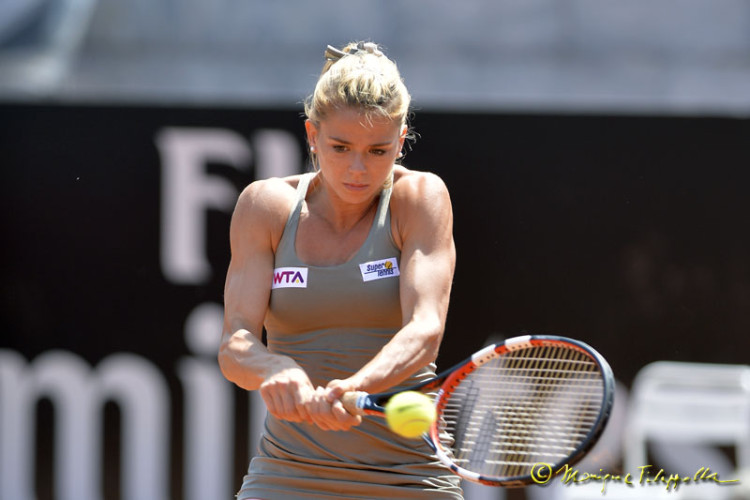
287	394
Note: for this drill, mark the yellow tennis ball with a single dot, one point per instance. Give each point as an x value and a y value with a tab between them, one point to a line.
410	414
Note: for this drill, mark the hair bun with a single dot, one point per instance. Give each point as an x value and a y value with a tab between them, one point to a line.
333	54
370	47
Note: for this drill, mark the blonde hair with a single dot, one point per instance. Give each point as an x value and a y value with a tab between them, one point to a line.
359	76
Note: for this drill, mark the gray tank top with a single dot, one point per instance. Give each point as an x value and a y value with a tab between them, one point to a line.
332	320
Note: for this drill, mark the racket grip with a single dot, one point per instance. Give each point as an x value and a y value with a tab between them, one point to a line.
351	400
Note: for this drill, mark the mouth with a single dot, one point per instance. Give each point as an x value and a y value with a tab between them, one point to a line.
354	186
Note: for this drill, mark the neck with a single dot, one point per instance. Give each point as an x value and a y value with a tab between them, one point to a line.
340	215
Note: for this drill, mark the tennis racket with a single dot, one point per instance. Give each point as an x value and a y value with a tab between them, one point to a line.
514	412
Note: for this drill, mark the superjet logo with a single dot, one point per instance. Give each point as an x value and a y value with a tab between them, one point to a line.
379	269
289	277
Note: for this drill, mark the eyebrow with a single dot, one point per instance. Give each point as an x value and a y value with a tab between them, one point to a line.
378	145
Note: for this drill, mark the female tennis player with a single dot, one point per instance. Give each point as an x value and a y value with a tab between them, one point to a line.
349	269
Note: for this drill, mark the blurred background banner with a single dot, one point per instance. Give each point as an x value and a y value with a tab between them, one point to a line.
597	156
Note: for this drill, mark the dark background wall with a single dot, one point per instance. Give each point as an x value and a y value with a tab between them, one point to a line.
627	232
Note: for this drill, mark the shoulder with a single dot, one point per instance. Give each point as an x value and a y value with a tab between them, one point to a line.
268	197
264	205
413	189
420	202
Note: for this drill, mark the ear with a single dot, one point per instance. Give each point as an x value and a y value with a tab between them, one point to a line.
402	137
312	133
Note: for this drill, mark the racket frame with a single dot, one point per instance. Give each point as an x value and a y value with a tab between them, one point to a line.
374	404
453	376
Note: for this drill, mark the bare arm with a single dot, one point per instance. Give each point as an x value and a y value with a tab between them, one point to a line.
243	358
259	216
424	220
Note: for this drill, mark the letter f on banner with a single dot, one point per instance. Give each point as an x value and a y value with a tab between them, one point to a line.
187	192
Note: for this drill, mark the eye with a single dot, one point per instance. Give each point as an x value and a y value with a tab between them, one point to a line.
378	152
339	148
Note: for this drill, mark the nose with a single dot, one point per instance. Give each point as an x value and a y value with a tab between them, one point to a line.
357	164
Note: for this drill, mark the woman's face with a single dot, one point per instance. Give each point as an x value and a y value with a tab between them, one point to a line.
355	155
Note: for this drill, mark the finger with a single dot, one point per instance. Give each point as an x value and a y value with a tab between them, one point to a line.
334	390
302	394
345	419
321	410
286	406
301	404
273	404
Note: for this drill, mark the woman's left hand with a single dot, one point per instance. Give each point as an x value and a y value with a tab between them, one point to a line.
327	412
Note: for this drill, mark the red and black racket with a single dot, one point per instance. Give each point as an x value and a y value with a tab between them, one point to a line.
514	410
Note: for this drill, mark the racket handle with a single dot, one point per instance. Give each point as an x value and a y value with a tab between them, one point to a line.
350	400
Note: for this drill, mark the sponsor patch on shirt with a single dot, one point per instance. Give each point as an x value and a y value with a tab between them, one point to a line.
289	277
379	269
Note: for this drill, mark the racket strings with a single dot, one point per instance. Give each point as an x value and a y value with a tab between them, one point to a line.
533	405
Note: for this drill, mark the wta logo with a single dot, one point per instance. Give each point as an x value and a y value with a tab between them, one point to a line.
289	277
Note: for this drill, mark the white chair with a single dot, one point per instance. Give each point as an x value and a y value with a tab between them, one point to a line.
693	409
680	416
